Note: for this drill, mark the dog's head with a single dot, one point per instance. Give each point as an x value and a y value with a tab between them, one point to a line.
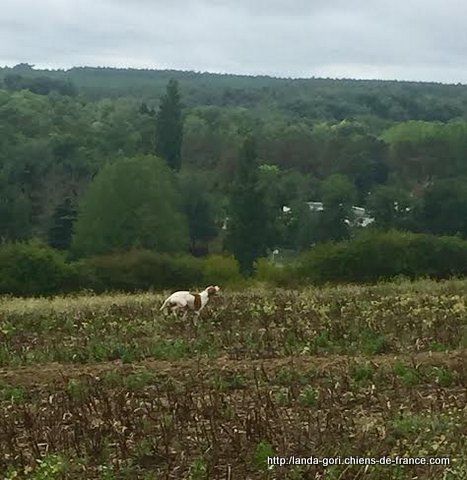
212	290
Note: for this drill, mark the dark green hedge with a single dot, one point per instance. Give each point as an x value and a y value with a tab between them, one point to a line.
374	256
35	269
32	268
141	270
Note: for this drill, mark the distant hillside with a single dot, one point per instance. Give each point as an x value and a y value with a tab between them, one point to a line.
397	149
308	99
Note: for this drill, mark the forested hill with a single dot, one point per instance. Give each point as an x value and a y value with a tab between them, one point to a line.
95	160
307	99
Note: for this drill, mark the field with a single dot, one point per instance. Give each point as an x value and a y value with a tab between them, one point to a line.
105	387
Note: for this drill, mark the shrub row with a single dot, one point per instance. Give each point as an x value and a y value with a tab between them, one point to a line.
32	268
35	269
374	256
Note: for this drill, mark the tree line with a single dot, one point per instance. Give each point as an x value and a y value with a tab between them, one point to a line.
91	177
314	99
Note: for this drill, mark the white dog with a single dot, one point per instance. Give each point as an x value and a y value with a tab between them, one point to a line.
184	300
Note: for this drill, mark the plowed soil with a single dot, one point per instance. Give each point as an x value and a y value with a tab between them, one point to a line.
57	373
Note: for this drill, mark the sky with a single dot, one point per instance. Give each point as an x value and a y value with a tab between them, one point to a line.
422	40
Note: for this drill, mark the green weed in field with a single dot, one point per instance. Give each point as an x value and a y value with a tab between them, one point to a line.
12	393
408	375
199	470
443	376
78	390
309	397
50	467
362	372
138	380
170	349
262	451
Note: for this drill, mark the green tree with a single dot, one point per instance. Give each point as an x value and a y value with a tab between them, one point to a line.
169	127
15	210
248	223
306	225
444	207
61	230
290	189
131	203
199	209
391	207
421	151
338	194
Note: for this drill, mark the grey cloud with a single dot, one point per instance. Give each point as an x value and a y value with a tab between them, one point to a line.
416	40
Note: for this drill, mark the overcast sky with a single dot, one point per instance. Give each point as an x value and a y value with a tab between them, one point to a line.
390	39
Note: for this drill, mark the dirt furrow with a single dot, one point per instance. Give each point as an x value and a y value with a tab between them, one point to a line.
53	373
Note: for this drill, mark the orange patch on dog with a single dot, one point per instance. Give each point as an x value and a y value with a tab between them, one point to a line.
197	302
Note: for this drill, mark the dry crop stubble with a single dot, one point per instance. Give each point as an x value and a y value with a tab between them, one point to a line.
105	387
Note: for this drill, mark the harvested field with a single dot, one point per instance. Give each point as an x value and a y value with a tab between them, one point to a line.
104	387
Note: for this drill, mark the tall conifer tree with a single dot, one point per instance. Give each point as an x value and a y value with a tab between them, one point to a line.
248	227
169	127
